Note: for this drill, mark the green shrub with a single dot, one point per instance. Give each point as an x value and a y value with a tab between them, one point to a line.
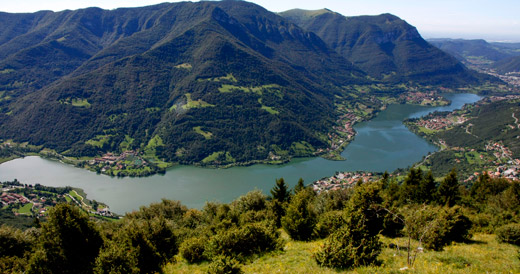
224	265
437	226
300	219
117	257
244	241
329	222
193	249
509	234
253	200
357	243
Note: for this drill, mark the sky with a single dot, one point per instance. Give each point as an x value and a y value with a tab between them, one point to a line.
495	20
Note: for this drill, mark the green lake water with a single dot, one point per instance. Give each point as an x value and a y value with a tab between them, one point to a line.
383	143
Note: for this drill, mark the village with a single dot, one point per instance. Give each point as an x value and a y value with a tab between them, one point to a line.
35	201
111	163
343	180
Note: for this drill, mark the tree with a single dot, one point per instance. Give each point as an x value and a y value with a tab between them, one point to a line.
280	191
410	187
428	188
299	186
448	192
69	243
300	219
357	243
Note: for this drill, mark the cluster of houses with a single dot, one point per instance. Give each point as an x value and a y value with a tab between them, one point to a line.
13	198
441	123
422	98
342	180
110	159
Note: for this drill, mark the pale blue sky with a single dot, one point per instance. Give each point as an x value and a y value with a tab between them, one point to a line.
497	20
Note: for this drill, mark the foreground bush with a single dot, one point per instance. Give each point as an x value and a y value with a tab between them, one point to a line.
357	243
140	245
69	243
437	226
329	222
224	265
300	219
509	234
193	249
244	241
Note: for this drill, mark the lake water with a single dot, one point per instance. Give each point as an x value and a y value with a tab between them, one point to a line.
383	143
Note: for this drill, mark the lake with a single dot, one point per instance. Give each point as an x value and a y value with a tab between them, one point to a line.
383	143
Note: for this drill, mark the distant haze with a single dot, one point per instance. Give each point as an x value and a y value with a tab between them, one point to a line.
470	19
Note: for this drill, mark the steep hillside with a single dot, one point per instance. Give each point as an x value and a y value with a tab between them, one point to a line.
508	65
385	47
467	49
210	82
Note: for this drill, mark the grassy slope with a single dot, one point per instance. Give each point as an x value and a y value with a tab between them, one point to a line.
483	255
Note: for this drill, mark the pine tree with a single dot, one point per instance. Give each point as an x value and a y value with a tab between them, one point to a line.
300	219
357	243
428	188
410	187
448	192
280	191
299	186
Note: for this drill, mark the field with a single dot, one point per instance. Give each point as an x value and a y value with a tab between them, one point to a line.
483	255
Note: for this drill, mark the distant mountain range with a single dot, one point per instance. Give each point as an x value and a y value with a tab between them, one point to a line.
384	46
219	82
504	57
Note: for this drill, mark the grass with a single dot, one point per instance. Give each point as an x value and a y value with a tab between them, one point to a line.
25	209
213	157
5	71
99	140
195	104
270	110
125	144
76	102
184	66
206	134
75	195
228	77
483	255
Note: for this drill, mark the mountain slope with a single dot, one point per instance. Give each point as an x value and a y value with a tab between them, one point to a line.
384	46
508	65
216	82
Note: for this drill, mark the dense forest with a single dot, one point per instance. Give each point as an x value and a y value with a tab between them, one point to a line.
224	238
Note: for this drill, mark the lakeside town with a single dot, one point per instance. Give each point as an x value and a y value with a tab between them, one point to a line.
35	201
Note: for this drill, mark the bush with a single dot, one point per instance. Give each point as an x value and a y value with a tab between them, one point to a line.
116	257
437	226
253	200
148	242
224	265
300	219
329	222
193	249
509	234
357	243
69	243
247	240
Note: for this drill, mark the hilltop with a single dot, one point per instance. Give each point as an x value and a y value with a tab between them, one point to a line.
384	46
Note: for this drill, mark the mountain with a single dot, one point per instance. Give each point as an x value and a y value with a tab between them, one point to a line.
511	64
384	46
465	50
216	82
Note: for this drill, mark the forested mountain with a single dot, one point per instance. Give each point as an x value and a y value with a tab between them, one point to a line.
211	82
384	46
463	49
508	65
209	77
